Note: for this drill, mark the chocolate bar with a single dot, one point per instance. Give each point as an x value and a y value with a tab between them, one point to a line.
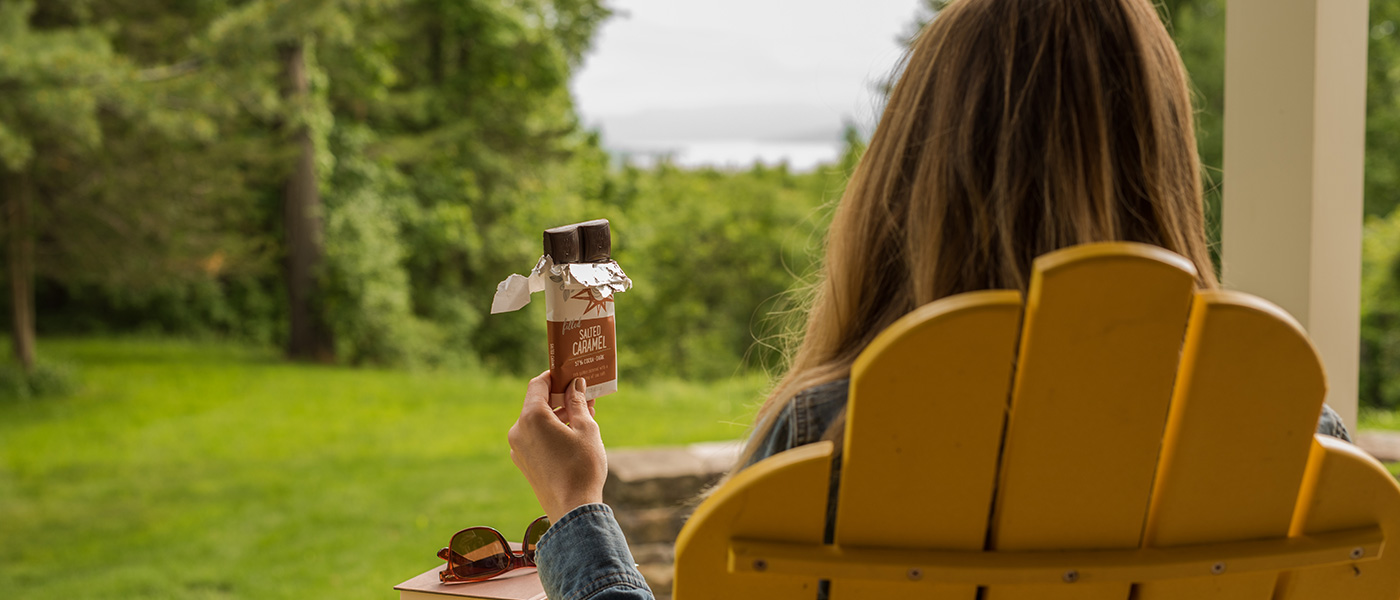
579	279
582	333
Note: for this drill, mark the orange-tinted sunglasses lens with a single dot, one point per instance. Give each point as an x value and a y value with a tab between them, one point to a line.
533	533
477	553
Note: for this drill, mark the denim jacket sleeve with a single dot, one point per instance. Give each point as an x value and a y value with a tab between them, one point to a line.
1331	424
585	557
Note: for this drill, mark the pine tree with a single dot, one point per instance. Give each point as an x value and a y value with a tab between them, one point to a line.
54	83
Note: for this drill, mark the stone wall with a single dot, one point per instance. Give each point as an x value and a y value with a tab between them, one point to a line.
1384	445
653	490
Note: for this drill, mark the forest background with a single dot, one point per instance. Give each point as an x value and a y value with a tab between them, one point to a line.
349	179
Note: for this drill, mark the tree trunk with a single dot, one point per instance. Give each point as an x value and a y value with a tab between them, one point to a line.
301	201
21	267
436	64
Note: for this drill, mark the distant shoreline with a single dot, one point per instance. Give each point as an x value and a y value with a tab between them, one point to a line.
737	154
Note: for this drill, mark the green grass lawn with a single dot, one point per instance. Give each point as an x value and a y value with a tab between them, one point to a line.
200	470
1370	418
1378	419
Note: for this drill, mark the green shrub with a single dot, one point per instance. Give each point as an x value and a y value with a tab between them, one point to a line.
365	287
1380	313
46	380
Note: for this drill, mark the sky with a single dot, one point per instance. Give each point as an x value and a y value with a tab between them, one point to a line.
734	74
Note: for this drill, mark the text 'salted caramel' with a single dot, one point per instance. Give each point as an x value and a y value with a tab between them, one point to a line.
579	279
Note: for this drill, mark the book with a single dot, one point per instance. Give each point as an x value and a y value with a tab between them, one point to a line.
520	584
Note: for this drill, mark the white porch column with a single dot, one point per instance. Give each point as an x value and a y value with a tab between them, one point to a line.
1295	104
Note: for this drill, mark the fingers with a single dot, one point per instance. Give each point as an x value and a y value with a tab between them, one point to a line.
576	408
538	390
537	393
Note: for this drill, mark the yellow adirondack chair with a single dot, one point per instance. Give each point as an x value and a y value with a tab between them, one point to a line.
1123	436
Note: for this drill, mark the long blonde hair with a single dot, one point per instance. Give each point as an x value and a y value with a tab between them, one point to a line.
1018	127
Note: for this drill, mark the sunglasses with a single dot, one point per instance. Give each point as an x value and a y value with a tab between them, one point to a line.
478	553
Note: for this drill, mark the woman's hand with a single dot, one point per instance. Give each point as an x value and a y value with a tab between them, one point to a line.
559	450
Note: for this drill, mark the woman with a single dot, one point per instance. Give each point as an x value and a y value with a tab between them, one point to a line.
1018	127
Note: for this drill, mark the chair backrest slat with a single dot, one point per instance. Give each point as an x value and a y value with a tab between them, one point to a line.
1242	420
780	499
1344	488
950	364
1099	348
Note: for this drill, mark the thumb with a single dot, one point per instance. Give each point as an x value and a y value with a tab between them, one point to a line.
576	406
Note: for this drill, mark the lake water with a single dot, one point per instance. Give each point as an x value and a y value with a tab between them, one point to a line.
800	156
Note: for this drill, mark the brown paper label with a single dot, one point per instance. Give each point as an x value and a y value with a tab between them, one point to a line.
582	348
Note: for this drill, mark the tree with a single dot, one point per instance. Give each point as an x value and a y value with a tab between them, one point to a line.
285	34
110	167
301	202
1198	27
54	83
472	113
1383	110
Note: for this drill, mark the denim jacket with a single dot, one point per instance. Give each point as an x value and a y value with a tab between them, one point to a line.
585	557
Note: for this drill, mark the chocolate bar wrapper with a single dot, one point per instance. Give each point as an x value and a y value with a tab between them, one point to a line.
582	339
579	316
